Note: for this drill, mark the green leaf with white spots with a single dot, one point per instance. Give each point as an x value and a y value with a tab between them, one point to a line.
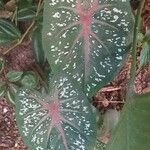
88	39
2	89
133	129
14	76
62	120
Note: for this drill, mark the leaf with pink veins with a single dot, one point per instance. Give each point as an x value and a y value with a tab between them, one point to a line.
93	39
57	121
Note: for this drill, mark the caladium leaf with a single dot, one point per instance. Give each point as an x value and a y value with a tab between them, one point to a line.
87	38
133	129
62	120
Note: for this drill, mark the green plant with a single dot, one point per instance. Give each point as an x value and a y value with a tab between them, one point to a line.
13	13
13	80
11	32
62	119
85	48
92	46
133	129
85	42
145	53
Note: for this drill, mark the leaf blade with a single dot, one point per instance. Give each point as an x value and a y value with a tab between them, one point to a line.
65	123
8	31
2	89
27	13
145	54
132	131
37	46
29	80
14	76
89	44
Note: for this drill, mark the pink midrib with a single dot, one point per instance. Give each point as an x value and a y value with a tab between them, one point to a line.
54	111
85	32
85	21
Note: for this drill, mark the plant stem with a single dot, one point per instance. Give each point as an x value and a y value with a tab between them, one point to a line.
27	31
40	4
135	38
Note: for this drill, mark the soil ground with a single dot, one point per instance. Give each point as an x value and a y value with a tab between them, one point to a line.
111	96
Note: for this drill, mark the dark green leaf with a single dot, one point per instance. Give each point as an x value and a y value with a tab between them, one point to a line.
14	76
4	39
145	54
2	89
88	40
99	119
133	129
29	80
37	46
1	4
47	72
9	28
11	93
2	64
39	19
8	32
24	3
13	88
10	97
27	13
62	120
